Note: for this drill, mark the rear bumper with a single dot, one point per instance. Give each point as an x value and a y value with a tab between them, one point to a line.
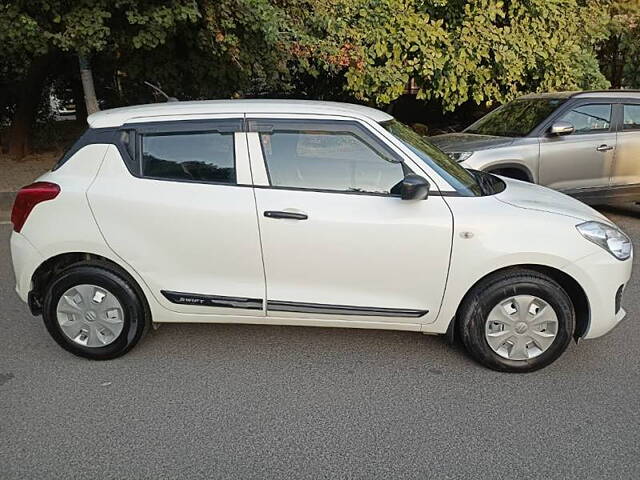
25	259
601	275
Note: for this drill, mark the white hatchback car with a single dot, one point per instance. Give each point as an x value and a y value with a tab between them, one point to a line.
305	213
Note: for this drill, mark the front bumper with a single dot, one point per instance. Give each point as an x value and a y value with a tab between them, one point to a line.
600	276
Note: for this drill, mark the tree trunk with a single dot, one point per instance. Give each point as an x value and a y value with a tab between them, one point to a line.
78	100
28	98
86	76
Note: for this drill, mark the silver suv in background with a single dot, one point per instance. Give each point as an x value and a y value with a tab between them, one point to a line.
585	144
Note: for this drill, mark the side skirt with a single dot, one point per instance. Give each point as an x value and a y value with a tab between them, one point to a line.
172	317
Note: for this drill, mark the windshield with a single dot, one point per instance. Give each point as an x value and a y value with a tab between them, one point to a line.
517	118
457	176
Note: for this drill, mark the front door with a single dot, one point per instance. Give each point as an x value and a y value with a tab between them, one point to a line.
185	217
626	167
583	159
338	242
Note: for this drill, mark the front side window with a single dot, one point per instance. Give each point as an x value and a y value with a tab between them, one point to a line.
589	118
191	156
332	156
517	118
631	117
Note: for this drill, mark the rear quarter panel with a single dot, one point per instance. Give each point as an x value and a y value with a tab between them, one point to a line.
66	224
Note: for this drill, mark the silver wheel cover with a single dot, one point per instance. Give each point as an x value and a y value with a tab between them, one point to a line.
521	327
90	316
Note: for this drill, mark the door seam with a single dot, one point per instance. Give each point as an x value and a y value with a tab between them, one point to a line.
255	204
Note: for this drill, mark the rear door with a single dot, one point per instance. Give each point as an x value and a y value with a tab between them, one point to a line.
338	242
582	160
183	214
626	167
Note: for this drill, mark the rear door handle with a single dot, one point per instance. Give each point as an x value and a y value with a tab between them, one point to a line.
604	148
288	215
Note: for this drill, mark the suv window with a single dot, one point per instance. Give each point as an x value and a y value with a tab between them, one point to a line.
631	117
196	156
589	118
334	156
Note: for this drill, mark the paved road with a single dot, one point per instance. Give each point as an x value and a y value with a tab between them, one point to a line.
222	401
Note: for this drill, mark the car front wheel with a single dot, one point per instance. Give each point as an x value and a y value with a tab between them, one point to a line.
516	321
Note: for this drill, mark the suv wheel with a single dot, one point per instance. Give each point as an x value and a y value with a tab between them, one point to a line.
93	312
518	321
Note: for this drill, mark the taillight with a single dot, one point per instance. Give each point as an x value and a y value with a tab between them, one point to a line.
28	197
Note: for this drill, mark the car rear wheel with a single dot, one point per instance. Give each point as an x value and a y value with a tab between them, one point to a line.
94	312
516	321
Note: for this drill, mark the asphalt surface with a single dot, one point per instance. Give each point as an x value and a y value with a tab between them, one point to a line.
237	401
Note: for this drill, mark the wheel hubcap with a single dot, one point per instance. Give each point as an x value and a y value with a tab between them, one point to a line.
521	327
90	316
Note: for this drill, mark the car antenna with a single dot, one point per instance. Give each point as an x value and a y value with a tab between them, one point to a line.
159	90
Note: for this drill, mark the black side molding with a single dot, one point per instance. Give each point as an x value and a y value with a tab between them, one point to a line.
197	299
321	308
213	300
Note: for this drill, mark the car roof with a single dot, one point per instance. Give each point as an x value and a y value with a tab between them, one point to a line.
119	116
587	94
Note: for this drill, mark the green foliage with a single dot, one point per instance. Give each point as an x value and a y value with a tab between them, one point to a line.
193	49
619	55
233	48
455	51
480	50
32	28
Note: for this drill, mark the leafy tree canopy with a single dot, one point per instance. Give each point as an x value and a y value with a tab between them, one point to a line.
619	54
479	50
455	51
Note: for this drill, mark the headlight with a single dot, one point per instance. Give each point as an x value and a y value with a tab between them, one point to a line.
460	156
610	238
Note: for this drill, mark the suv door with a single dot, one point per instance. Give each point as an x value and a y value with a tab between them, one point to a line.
626	167
583	159
338	242
183	215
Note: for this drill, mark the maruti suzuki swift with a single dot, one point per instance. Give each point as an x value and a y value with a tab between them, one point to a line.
305	213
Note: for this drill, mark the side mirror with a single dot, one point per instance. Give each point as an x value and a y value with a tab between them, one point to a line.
414	187
561	128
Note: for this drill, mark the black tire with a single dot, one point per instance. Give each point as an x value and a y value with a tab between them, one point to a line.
135	312
476	306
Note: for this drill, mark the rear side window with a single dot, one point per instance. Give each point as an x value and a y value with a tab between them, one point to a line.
333	156
194	156
589	118
631	117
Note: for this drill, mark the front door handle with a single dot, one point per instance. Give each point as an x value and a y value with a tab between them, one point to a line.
287	215
604	148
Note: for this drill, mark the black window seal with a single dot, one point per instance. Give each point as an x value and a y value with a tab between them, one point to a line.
222	125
